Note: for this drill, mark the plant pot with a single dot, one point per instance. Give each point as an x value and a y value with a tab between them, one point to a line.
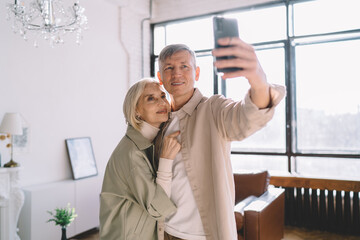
63	233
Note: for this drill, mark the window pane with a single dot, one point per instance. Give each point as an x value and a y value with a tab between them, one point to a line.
340	168
242	163
156	68
197	34
159	39
328	99
324	16
206	79
272	137
267	24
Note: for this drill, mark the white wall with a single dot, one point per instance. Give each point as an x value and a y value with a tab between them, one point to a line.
164	10
71	91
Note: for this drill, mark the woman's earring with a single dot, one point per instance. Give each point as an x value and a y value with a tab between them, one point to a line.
137	117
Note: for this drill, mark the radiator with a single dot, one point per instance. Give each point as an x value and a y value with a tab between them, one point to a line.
329	210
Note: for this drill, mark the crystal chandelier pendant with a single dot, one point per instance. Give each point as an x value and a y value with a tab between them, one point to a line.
47	19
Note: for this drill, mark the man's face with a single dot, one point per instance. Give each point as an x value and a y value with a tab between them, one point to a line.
178	74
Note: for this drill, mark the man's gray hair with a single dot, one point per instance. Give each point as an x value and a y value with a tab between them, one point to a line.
169	50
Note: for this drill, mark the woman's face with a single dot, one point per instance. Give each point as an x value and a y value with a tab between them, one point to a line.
152	106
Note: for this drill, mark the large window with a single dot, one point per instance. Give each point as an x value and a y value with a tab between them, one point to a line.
328	97
312	47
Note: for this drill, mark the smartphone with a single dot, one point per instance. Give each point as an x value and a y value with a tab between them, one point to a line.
225	27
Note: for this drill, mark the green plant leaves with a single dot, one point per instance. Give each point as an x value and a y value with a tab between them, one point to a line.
63	216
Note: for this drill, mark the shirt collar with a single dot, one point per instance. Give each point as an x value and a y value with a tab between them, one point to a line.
148	131
190	106
140	141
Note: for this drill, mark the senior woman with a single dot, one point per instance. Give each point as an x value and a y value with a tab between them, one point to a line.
136	187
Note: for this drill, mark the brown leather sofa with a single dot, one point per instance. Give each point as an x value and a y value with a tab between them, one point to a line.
261	216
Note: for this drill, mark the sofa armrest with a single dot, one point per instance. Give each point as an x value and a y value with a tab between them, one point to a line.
247	184
240	207
264	218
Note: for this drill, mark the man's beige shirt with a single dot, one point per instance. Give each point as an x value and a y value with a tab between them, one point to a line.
208	125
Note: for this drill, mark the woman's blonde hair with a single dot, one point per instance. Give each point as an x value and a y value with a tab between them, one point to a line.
131	101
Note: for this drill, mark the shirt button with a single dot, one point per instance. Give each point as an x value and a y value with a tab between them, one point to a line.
160	229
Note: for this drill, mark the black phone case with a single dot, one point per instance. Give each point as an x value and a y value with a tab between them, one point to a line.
225	27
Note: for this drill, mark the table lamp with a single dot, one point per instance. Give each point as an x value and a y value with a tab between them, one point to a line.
11	124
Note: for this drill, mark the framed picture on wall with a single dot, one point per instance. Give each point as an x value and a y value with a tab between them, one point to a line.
81	157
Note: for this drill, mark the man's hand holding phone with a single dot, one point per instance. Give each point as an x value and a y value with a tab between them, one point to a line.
233	53
244	59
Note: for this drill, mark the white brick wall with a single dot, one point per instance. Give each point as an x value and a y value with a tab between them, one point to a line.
130	18
164	10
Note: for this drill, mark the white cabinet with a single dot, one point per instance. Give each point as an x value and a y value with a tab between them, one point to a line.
83	194
11	202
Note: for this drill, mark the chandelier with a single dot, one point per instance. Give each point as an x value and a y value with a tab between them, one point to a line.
47	19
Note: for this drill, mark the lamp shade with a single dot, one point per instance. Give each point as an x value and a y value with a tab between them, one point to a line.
11	124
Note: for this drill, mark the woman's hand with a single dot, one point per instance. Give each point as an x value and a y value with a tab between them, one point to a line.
171	146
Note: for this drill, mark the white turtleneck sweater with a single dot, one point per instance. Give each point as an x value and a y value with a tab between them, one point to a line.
164	173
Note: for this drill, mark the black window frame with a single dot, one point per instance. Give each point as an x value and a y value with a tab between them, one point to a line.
289	44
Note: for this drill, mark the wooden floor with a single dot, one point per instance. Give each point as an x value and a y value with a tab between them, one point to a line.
291	233
89	235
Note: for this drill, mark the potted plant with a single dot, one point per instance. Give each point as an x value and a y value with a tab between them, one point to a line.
63	217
